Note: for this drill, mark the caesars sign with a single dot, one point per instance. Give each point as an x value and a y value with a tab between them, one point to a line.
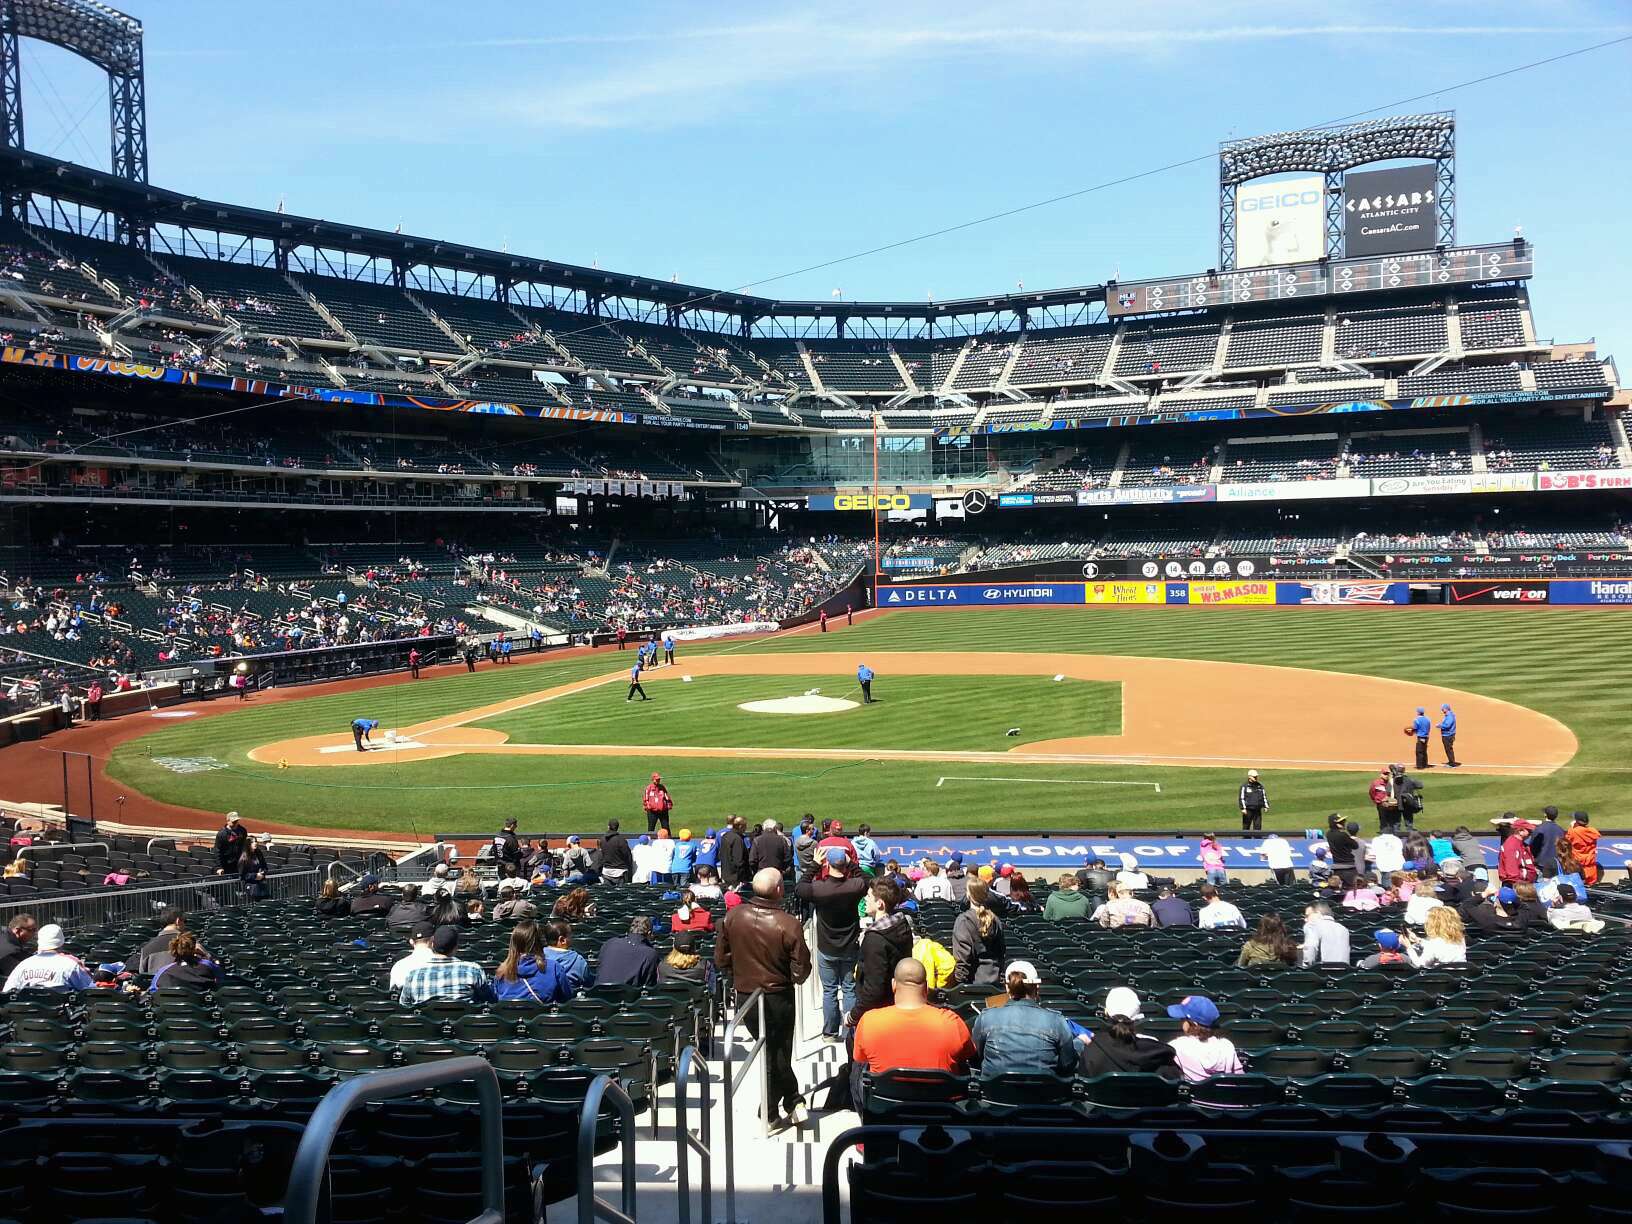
1388	211
1280	222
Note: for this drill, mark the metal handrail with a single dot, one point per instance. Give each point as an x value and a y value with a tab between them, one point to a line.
308	1176
590	1206
40	848
733	1079
685	1143
153	841
336	867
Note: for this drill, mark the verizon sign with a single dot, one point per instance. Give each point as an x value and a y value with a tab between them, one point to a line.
1607	478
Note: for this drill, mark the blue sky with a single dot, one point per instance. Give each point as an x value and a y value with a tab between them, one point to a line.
729	144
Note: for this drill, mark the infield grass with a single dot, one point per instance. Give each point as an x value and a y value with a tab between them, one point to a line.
1574	665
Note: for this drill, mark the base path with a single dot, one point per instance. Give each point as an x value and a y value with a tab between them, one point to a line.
1183	712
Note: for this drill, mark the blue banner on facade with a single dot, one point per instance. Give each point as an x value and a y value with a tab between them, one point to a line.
998	595
1591	591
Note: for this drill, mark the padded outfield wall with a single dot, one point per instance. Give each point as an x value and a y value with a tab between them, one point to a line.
1250	592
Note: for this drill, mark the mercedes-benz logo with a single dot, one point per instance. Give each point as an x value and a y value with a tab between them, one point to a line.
1090	569
975	502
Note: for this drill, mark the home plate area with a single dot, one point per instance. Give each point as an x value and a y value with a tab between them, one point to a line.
391	743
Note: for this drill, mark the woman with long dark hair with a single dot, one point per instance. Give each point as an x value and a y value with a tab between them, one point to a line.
189	969
526	974
978	945
1270	946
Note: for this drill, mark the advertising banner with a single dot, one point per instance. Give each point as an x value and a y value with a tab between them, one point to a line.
1292	490
1332	594
864	501
1594	591
1498	592
1025	501
1605	478
1280	222
1388	211
975	595
1161	496
1232	592
909	563
1475	482
1124	593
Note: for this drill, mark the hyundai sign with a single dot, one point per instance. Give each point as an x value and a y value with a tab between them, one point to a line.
1281	221
1389	211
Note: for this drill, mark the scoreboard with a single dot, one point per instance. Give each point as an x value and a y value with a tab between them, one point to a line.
1375	274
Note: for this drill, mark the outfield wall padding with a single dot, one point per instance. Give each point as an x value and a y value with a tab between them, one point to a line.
1248	593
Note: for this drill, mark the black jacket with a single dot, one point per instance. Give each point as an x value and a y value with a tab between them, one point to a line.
12	953
1105	1055
627	961
178	977
1253	798
370	904
615	853
771	849
733	858
405	915
885	944
332	907
1343	846
229	844
1095	878
507	848
1484	916
838	922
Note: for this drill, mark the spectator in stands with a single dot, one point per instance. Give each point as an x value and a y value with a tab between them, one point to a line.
978	944
368	900
1118	1046
1391	951
1212	861
230	840
910	1032
1468	849
1347	855
1569	872
617	861
689	915
1067	902
574	906
1583	842
1498	912
683	964
17	942
762	947
884	944
1445	942
1122	908
570	965
440	882
1362	895
155	953
734	853
629	960
443	976
707	887
189	970
772	849
1571	914
1172	910
1530	903
1199	1050
836	894
330	902
506	845
419	953
469	883
526	975
514	904
1423	900
252	872
934	886
683	859
446	910
1095	877
957	878
1217	912
1320	864
867	849
408	912
1386	852
1269	947
1130	877
49	968
1023	1036
1514	862
1277	852
1325	940
1544	840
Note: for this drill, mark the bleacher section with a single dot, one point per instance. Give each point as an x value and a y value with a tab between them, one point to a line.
1391	331
1291	459
1274	341
1160	349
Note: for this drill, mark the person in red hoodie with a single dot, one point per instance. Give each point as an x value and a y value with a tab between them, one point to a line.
658	803
1514	863
833	838
690	916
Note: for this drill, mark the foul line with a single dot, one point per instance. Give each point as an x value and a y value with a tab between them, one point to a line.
1156	786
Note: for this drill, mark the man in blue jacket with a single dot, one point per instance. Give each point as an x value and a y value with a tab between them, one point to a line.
668	647
1422	728
360	729
1543	842
1447	736
634	681
865	675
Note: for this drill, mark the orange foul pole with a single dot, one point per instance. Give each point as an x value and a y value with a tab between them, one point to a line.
875	510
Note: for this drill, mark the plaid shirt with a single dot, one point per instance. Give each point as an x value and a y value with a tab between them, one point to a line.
443	977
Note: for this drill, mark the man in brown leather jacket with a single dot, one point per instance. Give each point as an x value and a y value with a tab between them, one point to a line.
762	947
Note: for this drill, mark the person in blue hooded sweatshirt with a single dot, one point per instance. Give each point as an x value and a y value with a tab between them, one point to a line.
1447	736
526	975
683	859
1422	728
708	851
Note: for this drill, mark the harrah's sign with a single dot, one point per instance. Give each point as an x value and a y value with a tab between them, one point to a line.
1607	478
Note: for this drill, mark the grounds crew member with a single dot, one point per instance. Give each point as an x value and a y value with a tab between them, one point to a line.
470	656
668	647
360	729
864	674
1420	727
634	683
1447	736
658	803
1254	802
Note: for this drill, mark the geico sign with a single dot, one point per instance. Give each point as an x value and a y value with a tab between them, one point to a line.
866	501
1278	199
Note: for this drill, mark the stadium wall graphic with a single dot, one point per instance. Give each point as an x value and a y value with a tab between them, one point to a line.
1522	592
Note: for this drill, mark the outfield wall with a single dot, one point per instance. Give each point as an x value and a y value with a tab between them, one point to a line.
1254	592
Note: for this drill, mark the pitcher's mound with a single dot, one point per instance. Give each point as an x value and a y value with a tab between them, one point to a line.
798	705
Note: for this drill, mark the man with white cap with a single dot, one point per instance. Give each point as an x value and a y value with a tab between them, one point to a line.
50	968
1119	1046
1022	1035
1254	802
1130	876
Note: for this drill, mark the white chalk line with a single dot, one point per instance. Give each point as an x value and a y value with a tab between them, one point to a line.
1156	786
577	687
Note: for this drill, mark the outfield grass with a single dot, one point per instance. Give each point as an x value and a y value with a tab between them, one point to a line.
954	713
1574	665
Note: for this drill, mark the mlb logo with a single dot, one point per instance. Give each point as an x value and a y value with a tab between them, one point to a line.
1125	299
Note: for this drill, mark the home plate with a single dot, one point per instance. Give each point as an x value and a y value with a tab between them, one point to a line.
388	746
805	704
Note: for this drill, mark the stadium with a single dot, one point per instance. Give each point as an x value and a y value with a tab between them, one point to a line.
359	586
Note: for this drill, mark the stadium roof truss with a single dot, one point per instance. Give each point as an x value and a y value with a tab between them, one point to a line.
1330	151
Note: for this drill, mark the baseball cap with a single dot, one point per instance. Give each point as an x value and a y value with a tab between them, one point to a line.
1129	863
50	938
685	835
1450	867
1420	710
572	839
836	827
836	857
684	941
422	930
445	940
1027	971
1007	869
1252	773
1521	825
985	871
708	832
1120	1001
955	859
512	885
1507	896
1388	940
233	818
370	880
1198	1009
1445	705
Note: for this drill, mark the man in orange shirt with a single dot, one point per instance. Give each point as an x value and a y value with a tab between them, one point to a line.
1582	840
911	1033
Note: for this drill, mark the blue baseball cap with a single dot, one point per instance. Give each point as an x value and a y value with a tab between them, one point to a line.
1198	1009
956	858
1388	941
836	857
708	832
1507	896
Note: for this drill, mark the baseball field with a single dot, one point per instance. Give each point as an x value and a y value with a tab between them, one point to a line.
1005	719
